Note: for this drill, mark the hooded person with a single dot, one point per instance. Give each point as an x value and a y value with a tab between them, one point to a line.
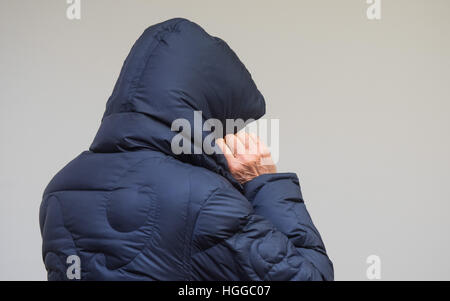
132	209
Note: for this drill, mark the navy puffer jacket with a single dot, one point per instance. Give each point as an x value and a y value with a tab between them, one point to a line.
130	209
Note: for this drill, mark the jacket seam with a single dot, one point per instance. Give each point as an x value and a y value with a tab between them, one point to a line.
194	227
151	48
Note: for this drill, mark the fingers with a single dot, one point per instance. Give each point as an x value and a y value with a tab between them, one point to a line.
242	143
250	146
261	147
247	156
225	149
234	144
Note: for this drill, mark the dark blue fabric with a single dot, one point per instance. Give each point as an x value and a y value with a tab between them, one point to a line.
132	210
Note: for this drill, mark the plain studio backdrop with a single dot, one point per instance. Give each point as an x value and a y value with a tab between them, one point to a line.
363	107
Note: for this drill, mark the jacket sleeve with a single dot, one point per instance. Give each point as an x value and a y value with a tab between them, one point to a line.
265	234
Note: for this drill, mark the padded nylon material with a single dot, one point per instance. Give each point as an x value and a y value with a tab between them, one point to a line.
132	210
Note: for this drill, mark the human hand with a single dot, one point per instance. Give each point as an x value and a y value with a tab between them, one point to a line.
246	155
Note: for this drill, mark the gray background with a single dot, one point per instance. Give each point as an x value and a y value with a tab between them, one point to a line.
363	108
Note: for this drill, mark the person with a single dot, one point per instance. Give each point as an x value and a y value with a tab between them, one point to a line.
129	208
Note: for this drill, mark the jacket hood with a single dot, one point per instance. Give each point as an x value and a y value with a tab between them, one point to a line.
172	70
